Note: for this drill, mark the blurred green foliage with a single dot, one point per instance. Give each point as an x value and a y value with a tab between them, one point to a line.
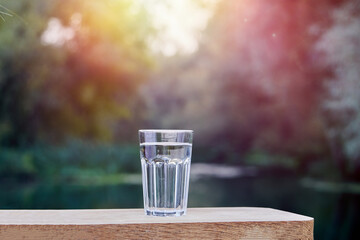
262	88
74	161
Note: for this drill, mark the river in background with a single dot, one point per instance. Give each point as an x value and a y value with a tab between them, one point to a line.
336	213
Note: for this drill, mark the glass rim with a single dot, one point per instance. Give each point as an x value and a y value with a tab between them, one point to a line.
166	130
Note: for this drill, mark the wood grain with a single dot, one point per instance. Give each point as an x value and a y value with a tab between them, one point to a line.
199	223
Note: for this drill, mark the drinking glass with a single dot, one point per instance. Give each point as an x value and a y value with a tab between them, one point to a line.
165	161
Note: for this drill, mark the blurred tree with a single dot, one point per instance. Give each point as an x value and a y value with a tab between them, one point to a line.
253	85
71	70
340	51
270	88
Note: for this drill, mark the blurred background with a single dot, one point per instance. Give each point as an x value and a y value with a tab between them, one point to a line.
271	89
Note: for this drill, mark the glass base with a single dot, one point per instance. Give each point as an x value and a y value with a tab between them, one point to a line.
168	213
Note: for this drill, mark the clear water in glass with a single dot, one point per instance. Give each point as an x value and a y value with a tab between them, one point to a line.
165	176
